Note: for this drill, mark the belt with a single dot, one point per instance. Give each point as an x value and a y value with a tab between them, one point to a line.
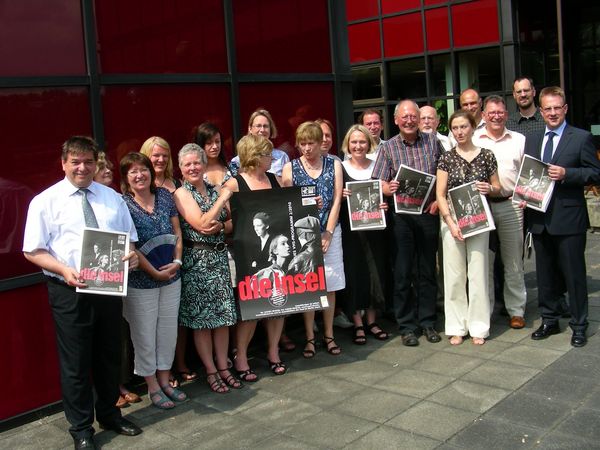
218	247
497	199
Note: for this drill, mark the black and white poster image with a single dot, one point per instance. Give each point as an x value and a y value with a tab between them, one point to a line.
102	267
471	210
413	190
363	205
279	261
534	185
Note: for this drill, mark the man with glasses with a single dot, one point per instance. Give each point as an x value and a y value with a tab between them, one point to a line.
559	234
415	236
508	147
527	119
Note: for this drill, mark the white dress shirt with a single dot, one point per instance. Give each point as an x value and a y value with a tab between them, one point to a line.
55	220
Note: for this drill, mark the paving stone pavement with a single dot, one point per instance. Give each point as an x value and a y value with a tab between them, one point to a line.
511	393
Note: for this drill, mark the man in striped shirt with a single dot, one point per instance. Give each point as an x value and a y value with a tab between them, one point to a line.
415	236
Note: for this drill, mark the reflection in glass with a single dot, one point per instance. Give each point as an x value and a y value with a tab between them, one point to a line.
366	82
406	79
480	70
441	75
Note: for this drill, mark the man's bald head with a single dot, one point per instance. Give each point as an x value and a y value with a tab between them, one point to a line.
470	101
429	119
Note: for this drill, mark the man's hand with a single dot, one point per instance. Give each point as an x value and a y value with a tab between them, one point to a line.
432	208
394	185
556	173
326	237
72	277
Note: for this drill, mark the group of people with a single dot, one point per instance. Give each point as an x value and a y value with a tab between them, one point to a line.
181	260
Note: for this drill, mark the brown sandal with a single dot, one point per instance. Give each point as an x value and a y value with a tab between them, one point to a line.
217	385
229	379
334	349
307	352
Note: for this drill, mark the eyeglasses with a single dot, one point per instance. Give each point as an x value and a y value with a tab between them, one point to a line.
264	155
135	173
551	109
263	126
407	118
496	113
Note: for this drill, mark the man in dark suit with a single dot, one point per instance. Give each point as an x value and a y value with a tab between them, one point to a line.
559	234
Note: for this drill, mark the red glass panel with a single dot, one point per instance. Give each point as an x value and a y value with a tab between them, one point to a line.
41	38
475	23
29	351
35	123
303	101
434	2
436	23
134	113
403	35
361	9
364	41
161	36
392	6
282	36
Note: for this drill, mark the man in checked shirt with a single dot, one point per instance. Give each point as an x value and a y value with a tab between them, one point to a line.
415	236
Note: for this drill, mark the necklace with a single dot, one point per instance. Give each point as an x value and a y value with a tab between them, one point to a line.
310	167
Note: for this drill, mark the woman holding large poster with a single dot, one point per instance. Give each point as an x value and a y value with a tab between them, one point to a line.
465	259
313	169
255	160
364	251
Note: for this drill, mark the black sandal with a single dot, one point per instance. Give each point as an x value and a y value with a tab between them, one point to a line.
244	374
381	335
230	380
334	350
277	366
359	339
217	385
308	353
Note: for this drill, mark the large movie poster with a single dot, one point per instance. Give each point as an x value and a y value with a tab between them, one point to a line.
277	251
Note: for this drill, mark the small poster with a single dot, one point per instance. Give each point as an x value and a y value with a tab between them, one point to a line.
470	210
363	205
278	255
413	192
102	267
534	185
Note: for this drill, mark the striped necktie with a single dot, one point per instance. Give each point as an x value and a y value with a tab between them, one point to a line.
88	212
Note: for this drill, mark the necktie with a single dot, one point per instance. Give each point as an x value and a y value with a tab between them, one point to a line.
88	212
547	155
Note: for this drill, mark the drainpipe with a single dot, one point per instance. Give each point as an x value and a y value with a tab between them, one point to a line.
561	62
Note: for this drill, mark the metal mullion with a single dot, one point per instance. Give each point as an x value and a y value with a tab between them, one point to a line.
234	87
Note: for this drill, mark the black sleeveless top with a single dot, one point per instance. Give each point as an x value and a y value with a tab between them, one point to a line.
243	186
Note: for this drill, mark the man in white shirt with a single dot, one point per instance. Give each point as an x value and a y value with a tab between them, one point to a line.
429	124
508	147
88	342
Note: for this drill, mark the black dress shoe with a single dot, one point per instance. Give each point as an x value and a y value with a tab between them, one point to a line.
431	335
85	442
409	339
546	329
121	426
578	339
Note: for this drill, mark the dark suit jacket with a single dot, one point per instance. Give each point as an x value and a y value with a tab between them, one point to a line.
567	210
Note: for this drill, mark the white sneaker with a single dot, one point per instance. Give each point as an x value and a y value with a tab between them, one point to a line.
341	321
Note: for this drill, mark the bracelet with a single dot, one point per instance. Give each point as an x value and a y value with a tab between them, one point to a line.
178	261
327	231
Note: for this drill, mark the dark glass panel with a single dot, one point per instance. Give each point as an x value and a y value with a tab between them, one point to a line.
303	101
366	83
41	38
134	113
361	9
35	122
441	75
403	35
364	41
161	36
475	23
406	79
282	36
436	22
480	70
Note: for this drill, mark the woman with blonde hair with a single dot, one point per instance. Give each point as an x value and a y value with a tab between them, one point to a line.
159	152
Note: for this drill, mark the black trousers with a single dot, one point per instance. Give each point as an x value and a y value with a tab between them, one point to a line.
415	284
88	338
558	256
